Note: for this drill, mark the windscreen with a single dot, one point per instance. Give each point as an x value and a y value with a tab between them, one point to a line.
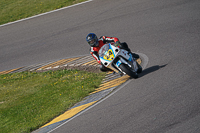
104	49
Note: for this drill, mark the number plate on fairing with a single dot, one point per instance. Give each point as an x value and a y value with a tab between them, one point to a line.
109	55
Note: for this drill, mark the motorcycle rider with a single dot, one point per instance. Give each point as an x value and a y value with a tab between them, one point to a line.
97	43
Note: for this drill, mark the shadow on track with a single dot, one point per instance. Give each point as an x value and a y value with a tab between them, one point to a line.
151	69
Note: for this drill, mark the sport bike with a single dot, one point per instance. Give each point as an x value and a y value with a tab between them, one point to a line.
119	60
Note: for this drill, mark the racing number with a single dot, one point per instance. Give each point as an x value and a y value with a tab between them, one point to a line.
108	55
110	52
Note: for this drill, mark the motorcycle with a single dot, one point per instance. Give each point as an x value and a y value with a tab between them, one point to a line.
119	60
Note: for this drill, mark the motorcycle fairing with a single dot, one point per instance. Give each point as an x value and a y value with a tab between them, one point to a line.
108	54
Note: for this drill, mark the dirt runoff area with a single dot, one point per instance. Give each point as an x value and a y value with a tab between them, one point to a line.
93	69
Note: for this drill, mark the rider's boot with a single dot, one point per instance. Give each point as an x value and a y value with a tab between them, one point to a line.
136	56
125	46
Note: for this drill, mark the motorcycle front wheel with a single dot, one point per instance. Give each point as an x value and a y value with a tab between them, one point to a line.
125	68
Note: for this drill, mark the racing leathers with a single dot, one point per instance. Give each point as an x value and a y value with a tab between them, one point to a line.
94	51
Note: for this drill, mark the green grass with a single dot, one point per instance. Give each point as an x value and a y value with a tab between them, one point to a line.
28	100
12	10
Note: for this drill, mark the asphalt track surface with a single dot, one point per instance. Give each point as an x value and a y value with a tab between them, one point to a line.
166	96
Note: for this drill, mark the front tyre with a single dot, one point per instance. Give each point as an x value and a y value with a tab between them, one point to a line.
125	68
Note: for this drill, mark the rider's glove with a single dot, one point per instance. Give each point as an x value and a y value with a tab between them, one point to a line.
117	43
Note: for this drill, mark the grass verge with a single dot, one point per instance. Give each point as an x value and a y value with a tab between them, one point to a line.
12	10
28	100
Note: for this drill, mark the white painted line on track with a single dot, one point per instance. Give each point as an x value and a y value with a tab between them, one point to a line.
45	13
91	106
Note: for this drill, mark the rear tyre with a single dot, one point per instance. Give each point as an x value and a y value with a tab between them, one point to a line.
139	68
125	68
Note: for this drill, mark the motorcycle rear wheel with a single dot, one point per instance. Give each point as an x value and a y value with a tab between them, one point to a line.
125	68
139	68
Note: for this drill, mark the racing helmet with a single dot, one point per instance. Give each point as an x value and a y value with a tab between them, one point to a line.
92	40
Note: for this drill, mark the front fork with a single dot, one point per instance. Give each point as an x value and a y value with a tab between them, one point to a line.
131	63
